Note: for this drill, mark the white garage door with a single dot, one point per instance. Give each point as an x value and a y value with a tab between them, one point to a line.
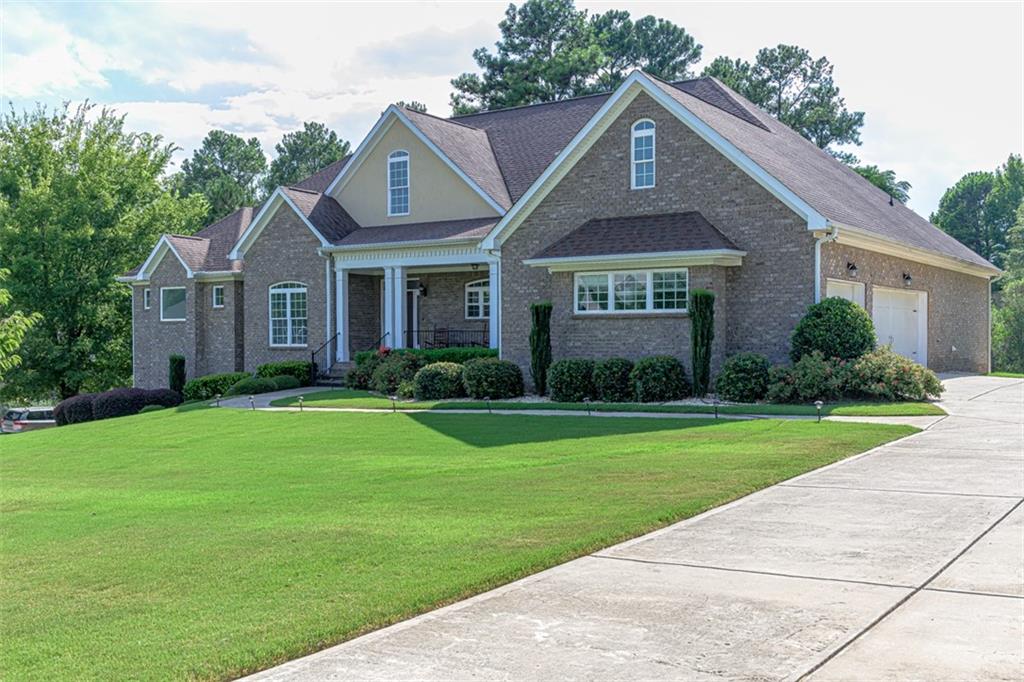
901	320
851	291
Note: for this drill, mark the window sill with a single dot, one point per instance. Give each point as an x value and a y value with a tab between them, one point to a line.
289	346
624	315
172	320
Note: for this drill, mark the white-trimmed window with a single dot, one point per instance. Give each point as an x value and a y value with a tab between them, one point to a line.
145	299
398	183
640	291
478	300
642	154
218	296
172	304
288	314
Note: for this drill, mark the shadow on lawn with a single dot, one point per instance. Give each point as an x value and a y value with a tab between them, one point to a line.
488	431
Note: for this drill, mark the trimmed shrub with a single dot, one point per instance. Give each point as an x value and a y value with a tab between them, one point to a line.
393	370
151	408
176	373
885	375
540	345
406	390
812	377
302	370
252	385
284	382
612	382
163	397
491	377
427	355
438	381
74	410
123	402
210	386
837	328
571	381
659	378
744	378
702	333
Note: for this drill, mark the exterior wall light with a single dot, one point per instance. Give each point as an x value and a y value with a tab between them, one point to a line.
907	279
851	268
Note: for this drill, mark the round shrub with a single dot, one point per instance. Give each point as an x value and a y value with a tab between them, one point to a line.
302	370
491	377
406	390
210	386
744	378
813	377
782	385
393	370
164	397
438	381
283	382
74	410
612	382
659	378
885	375
836	327
571	381
252	385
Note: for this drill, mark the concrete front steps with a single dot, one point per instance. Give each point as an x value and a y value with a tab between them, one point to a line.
336	375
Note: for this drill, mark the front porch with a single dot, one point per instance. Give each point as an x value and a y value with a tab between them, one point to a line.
414	300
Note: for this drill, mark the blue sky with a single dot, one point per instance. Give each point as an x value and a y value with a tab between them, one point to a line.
942	84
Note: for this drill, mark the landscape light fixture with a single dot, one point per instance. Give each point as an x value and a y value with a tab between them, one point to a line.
394	408
252	403
488	399
300	403
586	401
217	398
817	406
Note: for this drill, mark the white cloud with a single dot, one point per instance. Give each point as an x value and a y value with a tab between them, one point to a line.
942	84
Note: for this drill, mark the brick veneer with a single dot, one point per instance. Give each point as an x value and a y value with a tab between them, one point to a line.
957	302
758	304
156	341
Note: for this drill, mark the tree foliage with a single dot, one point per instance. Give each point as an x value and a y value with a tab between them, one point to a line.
302	153
14	324
886	181
549	50
81	202
981	207
412	106
1008	314
798	90
226	170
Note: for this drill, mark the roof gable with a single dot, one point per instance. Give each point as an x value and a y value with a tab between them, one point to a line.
282	196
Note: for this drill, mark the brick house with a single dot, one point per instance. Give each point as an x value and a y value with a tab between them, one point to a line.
440	232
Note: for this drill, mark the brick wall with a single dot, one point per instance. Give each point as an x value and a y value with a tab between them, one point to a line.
444	305
156	341
958	311
759	303
286	251
363	312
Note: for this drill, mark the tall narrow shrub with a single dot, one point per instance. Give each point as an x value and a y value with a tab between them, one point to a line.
176	373
702	333
540	345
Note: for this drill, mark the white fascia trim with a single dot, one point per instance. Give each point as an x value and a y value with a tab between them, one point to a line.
378	132
156	255
218	275
261	219
724	257
383	246
636	82
870	241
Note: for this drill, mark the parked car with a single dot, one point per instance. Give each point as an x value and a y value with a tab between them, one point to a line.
27	419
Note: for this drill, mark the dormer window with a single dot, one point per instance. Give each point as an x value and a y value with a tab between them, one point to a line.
398	183
642	175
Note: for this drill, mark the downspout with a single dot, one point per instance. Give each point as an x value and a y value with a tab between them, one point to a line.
829	235
496	299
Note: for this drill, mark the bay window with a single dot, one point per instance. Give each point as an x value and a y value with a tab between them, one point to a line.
641	291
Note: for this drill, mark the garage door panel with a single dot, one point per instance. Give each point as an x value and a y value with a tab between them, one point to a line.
900	321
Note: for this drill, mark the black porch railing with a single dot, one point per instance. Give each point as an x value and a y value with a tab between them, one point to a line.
448	338
322	359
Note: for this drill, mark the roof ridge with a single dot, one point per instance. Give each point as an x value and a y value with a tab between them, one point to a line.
189	236
301	189
534	104
444	120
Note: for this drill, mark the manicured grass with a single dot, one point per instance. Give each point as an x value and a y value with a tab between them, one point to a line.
365	400
1008	375
209	543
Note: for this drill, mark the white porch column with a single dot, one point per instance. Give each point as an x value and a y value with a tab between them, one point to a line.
398	291
389	308
341	312
494	323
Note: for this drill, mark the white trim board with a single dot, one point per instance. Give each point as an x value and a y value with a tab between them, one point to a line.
376	134
163	245
667	259
636	83
252	233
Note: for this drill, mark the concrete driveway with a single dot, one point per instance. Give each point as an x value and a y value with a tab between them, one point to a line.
906	562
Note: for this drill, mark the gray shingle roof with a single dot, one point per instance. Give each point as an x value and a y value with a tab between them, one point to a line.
319	181
445	230
633	235
324	212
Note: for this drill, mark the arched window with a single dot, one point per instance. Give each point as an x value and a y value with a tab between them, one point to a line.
643	154
398	183
288	314
478	300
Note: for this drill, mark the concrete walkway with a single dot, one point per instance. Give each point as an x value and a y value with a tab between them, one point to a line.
906	562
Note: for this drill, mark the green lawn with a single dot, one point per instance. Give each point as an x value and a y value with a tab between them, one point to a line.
207	543
354	399
1008	375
